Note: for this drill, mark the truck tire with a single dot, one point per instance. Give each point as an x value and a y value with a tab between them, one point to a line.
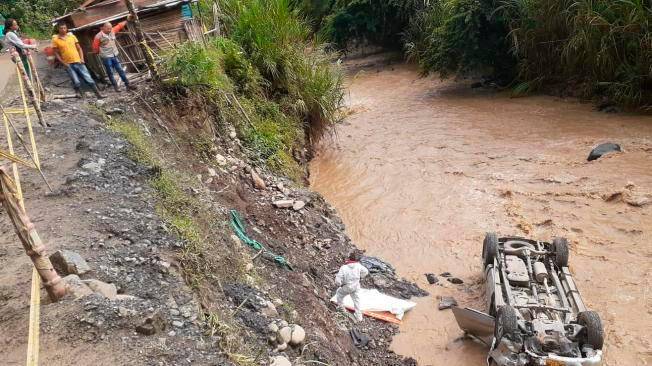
560	246
592	324
506	323
489	248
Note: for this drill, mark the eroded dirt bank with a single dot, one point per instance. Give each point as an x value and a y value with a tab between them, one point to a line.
150	215
424	168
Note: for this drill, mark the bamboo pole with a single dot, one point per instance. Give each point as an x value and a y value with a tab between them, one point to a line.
37	79
8	123
24	82
30	239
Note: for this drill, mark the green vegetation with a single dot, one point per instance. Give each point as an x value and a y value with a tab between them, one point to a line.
343	21
460	36
35	16
268	77
601	47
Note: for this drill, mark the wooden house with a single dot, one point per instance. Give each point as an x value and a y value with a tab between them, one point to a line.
166	23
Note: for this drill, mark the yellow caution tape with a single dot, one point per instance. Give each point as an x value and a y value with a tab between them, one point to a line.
34	320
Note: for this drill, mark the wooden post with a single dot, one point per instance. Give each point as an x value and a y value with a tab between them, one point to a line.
216	18
140	38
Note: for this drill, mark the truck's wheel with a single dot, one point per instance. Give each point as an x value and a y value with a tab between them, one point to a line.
560	246
489	248
592	324
506	323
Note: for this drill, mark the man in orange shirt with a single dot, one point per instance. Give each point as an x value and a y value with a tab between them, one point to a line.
105	45
68	51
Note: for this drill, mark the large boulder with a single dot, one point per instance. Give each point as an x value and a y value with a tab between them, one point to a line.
67	262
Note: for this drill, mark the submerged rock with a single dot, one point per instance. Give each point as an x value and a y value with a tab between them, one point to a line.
447	302
432	279
603	149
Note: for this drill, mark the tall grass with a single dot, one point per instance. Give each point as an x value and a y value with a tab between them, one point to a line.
269	73
605	44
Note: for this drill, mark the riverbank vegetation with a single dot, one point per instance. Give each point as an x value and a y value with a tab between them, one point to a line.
268	77
596	47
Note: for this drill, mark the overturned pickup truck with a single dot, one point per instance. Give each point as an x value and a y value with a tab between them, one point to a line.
536	315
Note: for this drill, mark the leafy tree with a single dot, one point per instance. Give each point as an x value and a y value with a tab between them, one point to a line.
35	16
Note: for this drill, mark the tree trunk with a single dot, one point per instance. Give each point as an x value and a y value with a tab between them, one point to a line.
142	43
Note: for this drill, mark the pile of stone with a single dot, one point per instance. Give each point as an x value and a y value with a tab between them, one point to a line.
283	335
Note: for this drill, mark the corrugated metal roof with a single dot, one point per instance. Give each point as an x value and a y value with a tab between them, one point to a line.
110	10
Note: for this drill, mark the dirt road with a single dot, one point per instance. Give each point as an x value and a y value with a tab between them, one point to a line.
7	72
424	168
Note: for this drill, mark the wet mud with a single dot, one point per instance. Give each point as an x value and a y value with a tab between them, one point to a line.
421	169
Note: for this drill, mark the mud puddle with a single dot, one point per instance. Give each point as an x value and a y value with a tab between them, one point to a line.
422	168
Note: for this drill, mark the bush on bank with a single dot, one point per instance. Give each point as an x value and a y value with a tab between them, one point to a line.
266	76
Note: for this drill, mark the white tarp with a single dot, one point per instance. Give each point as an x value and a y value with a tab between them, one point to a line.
373	300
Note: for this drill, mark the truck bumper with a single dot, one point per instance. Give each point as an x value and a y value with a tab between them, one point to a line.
554	360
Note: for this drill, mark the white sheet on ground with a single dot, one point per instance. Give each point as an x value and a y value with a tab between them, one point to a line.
373	300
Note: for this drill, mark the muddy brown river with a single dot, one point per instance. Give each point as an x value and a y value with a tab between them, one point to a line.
422	168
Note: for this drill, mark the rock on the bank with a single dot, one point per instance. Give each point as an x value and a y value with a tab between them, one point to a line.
76	286
284	335
152	324
107	290
221	160
298	335
279	361
298	205
269	310
258	181
284	203
67	262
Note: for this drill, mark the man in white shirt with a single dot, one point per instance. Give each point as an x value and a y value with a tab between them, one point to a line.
348	279
12	39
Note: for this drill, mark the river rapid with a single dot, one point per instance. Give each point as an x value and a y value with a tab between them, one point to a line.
422	168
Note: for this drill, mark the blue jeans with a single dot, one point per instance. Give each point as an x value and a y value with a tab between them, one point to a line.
77	71
112	63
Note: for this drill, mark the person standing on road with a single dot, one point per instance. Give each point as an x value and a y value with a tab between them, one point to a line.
12	38
348	279
105	45
68	51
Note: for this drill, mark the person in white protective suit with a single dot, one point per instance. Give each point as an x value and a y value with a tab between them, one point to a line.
348	279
